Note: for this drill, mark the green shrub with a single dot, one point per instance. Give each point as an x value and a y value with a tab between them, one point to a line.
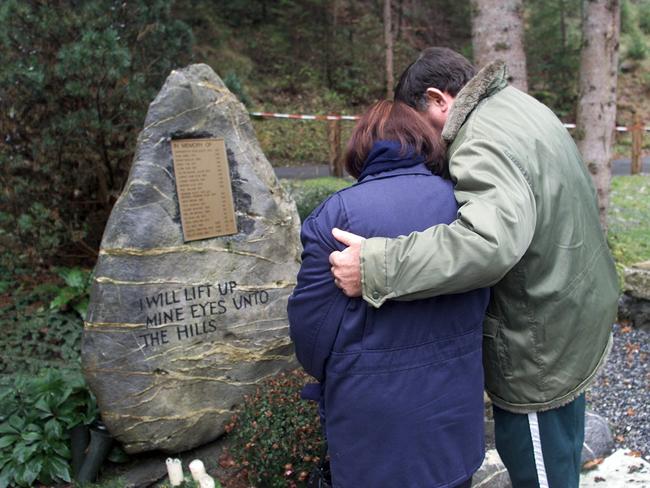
628	21
77	78
638	49
33	335
75	294
234	84
277	435
35	416
308	194
644	16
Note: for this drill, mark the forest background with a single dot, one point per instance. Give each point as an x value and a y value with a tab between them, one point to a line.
77	78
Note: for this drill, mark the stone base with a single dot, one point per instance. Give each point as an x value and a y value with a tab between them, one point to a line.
637	280
492	473
635	310
618	470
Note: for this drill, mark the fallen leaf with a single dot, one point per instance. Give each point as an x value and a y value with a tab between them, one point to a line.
634	454
226	461
593	464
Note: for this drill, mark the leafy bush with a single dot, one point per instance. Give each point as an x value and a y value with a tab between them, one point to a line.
644	16
628	20
308	194
35	415
553	42
33	335
77	78
277	435
234	84
638	49
75	294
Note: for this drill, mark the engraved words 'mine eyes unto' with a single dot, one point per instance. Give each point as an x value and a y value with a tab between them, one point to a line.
191	311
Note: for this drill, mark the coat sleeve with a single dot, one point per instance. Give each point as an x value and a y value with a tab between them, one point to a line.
316	305
495	225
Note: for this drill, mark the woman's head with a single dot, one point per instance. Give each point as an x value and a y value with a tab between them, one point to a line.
394	121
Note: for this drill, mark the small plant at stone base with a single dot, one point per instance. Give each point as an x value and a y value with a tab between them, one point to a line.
35	416
277	435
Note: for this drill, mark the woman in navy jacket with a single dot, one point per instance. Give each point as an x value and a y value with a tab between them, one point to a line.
401	386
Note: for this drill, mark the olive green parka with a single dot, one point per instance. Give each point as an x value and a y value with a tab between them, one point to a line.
528	227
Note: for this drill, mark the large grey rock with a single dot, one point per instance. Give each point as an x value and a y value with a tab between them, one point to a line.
635	310
492	473
634	304
177	333
599	442
637	280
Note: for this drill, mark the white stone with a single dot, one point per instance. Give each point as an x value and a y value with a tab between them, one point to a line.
620	470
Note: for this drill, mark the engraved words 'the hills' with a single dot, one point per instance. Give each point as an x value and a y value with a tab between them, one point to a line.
177	315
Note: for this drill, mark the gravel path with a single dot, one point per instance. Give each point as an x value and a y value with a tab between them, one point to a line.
621	393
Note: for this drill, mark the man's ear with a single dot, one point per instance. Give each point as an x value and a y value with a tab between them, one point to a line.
438	98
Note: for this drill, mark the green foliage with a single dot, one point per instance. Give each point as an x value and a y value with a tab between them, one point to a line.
638	48
553	42
77	78
628	19
33	335
111	483
277	435
629	220
644	16
35	416
75	294
234	84
308	194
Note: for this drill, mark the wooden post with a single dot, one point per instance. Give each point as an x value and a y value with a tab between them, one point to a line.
334	139
637	131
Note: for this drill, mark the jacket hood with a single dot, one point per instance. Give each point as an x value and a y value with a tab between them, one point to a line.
488	81
389	155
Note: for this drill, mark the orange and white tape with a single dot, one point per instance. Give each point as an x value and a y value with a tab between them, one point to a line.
274	115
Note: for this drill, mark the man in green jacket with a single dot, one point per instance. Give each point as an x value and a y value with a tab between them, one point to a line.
528	227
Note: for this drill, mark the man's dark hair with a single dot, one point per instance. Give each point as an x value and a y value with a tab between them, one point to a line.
436	67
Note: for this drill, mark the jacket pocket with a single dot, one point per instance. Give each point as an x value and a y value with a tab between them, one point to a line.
496	354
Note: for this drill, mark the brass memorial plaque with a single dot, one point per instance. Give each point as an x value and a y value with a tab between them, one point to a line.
203	187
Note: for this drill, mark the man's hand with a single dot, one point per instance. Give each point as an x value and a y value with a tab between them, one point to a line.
346	264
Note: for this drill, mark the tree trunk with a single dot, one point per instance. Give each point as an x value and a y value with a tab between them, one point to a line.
388	38
498	33
596	116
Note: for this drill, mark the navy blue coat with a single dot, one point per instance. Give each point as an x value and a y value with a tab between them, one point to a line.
402	385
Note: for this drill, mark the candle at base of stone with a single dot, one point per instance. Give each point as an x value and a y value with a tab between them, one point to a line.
206	481
197	469
175	471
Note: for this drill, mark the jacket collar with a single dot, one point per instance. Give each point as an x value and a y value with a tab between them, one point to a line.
388	156
488	81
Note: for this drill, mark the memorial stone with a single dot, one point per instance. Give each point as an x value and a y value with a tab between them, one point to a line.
179	330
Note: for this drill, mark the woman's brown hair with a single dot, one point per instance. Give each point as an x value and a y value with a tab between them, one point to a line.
395	121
